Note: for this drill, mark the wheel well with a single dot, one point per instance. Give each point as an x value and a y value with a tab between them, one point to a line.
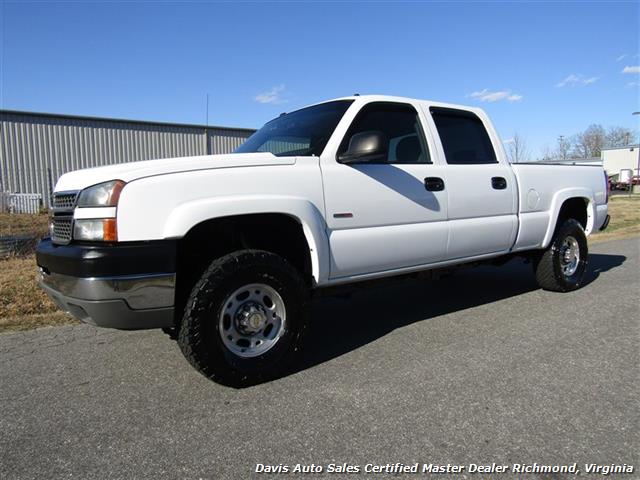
575	208
274	232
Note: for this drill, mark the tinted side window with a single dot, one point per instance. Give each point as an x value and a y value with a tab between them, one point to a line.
463	136
400	124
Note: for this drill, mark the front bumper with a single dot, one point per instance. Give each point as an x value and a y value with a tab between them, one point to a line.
115	286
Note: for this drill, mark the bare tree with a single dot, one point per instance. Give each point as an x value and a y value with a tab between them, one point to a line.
547	154
517	150
619	137
589	143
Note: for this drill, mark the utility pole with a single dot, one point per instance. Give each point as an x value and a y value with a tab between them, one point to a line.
637	175
207	143
563	150
207	124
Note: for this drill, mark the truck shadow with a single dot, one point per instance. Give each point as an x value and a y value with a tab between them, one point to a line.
599	263
340	325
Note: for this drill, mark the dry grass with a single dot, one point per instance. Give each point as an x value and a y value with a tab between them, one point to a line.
19	224
29	322
23	305
625	219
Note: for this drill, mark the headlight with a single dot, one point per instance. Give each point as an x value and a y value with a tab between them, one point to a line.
101	195
96	229
104	194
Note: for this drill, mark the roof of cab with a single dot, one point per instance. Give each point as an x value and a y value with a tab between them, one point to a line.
393	98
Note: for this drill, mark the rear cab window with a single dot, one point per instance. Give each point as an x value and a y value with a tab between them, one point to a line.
464	138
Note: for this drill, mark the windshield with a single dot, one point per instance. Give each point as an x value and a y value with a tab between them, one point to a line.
303	132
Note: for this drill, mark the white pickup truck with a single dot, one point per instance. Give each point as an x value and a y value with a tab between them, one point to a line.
226	249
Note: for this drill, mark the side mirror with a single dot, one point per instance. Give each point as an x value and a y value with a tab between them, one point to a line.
368	146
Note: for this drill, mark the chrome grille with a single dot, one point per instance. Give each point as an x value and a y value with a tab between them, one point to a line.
62	229
64	200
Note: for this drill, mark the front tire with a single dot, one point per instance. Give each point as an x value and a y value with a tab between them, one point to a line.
562	266
245	320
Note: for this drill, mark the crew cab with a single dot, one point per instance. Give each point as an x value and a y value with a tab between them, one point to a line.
226	250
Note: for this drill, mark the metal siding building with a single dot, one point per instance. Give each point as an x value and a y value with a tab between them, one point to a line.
37	148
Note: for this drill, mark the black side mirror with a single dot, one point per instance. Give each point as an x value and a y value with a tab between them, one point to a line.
368	146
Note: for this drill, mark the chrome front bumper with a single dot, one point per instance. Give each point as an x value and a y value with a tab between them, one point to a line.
127	302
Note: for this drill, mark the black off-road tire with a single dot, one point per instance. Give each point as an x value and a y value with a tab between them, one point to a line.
200	339
548	266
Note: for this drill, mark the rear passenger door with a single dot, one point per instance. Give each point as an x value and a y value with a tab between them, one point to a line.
482	200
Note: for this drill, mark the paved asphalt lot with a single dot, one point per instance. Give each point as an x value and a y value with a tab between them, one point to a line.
479	367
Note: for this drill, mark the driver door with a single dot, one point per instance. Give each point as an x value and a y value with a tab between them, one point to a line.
388	211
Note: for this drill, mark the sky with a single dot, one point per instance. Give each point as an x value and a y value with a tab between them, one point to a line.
539	69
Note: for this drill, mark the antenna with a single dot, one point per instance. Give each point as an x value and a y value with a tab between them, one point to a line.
207	124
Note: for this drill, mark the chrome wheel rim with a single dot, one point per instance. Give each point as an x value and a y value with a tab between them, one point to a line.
569	256
252	320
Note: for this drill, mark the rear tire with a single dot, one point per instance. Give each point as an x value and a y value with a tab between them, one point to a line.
245	319
562	266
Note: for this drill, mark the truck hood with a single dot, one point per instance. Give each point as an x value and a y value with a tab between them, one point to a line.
128	172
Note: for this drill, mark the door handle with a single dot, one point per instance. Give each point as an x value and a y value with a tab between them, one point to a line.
434	184
498	183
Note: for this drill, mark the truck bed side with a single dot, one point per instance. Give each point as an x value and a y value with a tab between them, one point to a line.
543	189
